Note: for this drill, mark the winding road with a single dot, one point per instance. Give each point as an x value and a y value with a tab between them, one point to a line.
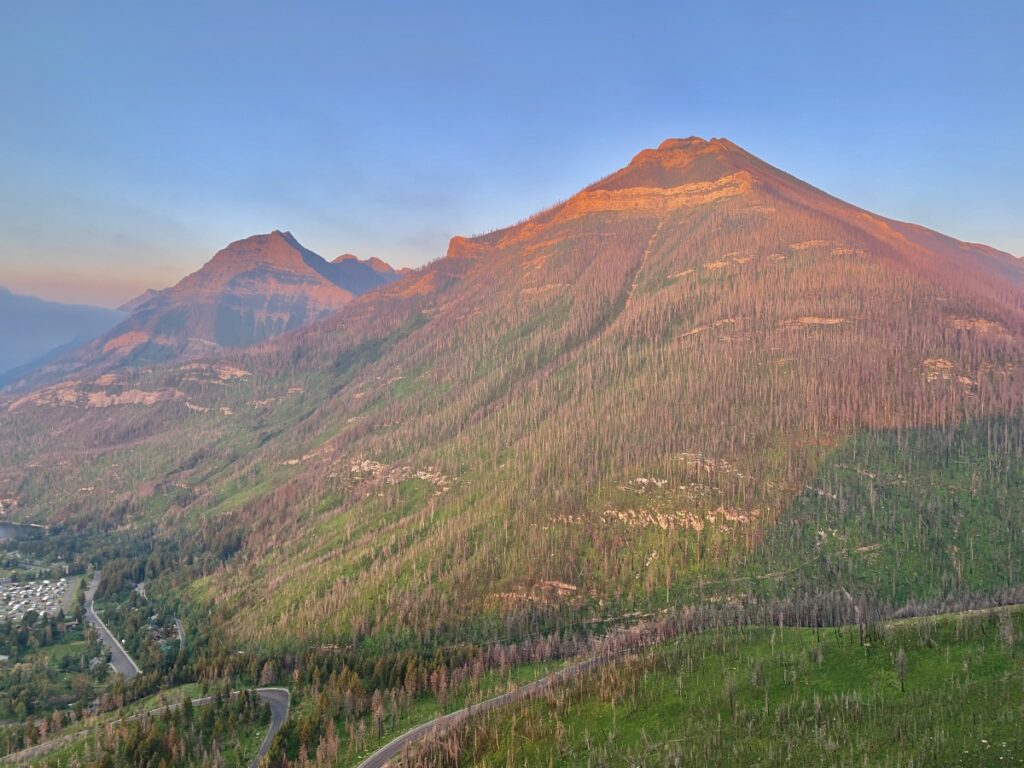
119	658
278	699
393	749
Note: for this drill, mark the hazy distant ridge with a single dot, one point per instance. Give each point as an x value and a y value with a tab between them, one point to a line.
33	328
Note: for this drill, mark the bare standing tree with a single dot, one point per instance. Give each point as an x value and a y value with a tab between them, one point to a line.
901	668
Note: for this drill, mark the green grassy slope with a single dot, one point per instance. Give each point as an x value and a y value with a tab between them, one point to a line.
937	691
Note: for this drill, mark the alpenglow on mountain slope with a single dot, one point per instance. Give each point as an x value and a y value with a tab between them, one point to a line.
252	290
699	379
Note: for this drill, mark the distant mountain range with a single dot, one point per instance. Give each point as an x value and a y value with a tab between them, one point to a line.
252	290
698	379
34	331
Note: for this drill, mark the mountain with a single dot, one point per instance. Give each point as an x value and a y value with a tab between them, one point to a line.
35	328
698	380
252	290
361	275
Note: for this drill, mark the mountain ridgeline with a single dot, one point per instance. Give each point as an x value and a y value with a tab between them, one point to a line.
252	290
699	379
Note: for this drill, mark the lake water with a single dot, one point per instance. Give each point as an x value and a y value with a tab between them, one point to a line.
12	531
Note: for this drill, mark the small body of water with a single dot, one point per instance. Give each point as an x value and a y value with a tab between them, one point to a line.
17	531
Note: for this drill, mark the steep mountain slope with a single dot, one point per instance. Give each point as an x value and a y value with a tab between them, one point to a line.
252	290
698	378
34	328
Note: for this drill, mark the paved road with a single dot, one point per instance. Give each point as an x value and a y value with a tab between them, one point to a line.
393	749
39	750
119	658
280	701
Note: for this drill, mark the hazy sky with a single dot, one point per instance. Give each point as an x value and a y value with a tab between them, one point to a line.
137	138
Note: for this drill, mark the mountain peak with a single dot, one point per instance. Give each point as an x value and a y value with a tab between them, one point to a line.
695	143
361	275
286	237
271	247
254	289
372	263
676	162
690	143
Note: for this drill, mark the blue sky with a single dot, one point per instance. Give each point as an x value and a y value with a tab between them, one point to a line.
137	138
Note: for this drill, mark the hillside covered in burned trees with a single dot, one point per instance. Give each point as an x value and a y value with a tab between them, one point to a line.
698	379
